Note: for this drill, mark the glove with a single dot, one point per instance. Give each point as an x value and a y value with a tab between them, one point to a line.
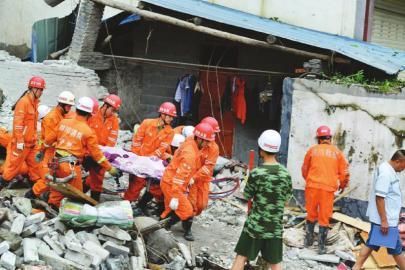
20	146
114	171
174	204
39	157
191	182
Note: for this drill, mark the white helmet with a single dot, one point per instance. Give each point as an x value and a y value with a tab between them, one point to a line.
85	104
188	131
66	97
270	141
42	111
177	140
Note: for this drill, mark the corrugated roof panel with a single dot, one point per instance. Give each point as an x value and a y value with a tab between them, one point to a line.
387	59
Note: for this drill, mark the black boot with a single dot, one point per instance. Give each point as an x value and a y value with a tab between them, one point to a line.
30	194
309	234
143	202
95	195
173	220
187	227
323	233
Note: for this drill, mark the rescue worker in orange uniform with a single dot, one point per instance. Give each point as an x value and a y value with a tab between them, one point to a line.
147	196
325	170
105	124
74	138
23	145
49	123
200	187
176	178
152	138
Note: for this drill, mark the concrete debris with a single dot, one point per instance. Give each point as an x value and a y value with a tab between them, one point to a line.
23	205
4	247
115	232
116	249
8	260
307	254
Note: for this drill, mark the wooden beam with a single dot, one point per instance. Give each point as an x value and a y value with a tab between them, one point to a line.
217	33
382	258
72	192
359	224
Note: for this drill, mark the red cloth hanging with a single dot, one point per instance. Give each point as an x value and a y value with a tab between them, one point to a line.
238	99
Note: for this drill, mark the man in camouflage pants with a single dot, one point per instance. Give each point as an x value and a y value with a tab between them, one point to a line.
270	188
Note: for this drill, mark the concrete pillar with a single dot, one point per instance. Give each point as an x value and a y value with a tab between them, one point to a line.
87	28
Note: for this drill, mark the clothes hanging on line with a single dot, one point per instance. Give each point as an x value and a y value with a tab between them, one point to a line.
234	98
184	93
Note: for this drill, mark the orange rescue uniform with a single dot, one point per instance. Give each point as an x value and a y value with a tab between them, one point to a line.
151	139
75	138
107	134
48	125
176	178
199	191
325	169
5	139
24	131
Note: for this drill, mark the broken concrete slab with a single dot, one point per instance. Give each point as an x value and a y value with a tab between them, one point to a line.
4	247
79	257
60	226
55	247
35	218
115	232
85	236
31	229
8	260
98	250
115	249
105	238
44	230
23	205
30	250
18	224
72	242
13	239
307	254
56	262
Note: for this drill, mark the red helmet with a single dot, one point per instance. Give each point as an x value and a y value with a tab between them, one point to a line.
168	108
36	82
113	100
204	131
95	106
212	122
323	131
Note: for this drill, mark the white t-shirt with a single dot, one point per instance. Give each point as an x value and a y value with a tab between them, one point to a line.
386	185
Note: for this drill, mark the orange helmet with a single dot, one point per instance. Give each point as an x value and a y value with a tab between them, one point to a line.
36	82
323	131
204	131
95	106
113	100
212	122
168	108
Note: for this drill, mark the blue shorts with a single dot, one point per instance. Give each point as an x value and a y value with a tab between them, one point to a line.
392	251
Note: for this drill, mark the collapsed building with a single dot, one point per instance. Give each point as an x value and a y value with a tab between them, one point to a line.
142	56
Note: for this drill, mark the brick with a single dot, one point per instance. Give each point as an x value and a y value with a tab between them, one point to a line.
33	219
115	232
4	247
18	224
23	205
56	262
30	248
44	230
115	249
8	260
31	229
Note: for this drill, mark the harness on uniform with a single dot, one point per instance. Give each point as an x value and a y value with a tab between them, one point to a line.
54	165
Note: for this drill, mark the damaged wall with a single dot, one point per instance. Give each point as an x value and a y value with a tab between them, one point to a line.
367	126
59	76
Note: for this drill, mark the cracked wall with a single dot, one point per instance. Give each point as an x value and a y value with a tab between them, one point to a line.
368	127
